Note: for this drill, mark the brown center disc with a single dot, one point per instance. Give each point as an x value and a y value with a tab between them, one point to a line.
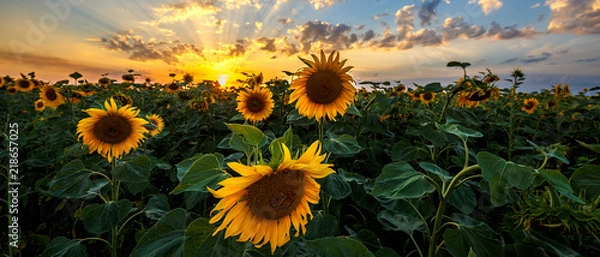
324	87
112	129
277	195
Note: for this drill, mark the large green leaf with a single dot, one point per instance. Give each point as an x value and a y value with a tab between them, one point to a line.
335	186
64	247
338	246
399	221
550	244
157	207
463	199
72	181
165	238
196	234
251	134
587	178
560	182
406	151
276	147
473	234
134	171
593	147
432	168
204	171
503	175
219	246
99	218
459	131
321	225
237	142
400	180
344	145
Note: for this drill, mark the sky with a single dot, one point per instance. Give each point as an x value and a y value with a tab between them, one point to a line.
551	41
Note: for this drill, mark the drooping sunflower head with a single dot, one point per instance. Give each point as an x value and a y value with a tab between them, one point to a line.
104	81
157	124
566	90
173	87
323	89
76	96
552	103
112	131
12	90
490	79
199	105
261	205
255	104
123	99
398	90
51	97
39	105
529	105
24	85
426	97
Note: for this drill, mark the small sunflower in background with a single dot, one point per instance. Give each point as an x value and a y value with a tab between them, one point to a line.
76	96
123	99
112	131
51	97
173	87
323	89
552	103
255	104
261	205
12	90
398	90
39	105
426	97
104	81
157	124
529	105
2	81
24	85
199	105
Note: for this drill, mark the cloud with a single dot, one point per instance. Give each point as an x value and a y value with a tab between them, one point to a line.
593	59
405	21
510	32
379	16
285	21
537	58
319	4
288	48
511	60
427	11
426	37
488	6
336	36
139	50
268	44
50	63
370	34
455	27
536	5
576	16
171	13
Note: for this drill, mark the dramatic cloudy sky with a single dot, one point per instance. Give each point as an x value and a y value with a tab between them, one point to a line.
552	41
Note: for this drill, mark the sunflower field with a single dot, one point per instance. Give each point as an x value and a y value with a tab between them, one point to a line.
317	165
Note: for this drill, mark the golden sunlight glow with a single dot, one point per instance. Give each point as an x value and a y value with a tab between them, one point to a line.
223	79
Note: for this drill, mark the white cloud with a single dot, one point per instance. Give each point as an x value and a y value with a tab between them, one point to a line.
578	16
319	4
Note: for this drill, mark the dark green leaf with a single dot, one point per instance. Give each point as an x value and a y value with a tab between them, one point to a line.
587	178
344	145
399	180
559	182
99	218
204	171
398	221
72	181
165	238
473	234
196	234
503	175
463	199
336	246
321	226
63	247
157	207
549	244
453	64
432	168
135	171
433	87
593	147
405	151
386	252
459	131
353	110
276	148
336	186
251	134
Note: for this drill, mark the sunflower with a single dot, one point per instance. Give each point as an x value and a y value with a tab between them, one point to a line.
104	81
200	106
2	81
427	97
529	105
173	87
39	105
255	104
123	99
24	85
262	204
76	96
490	79
112	132
398	90
12	90
552	103
51	97
323	88
157	122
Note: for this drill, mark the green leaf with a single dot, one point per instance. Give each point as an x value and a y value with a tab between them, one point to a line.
353	110
473	234
344	145
196	234
399	180
406	151
587	178
453	64
463	199
72	181
432	168
165	238
593	147
99	218
386	252
560	182
322	225
237	142
135	171
338	246
204	171
459	131
157	207
398	221
64	247
251	134
433	87
336	186
276	148
218	246
503	175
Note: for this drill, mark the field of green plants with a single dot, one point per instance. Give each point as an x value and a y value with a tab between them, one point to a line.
464	169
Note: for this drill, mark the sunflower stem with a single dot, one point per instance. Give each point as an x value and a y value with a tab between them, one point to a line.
320	128
114	197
